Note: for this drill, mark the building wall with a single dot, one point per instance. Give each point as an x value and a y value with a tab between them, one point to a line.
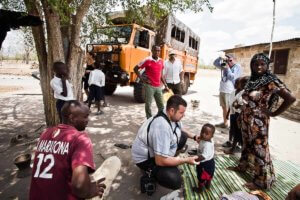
291	78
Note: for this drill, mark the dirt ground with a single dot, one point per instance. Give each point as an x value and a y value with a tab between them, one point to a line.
22	113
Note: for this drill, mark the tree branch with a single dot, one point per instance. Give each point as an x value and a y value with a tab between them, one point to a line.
77	20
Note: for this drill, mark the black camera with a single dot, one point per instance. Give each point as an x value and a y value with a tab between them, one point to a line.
224	62
148	184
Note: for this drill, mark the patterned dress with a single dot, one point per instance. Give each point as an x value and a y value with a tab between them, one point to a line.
255	131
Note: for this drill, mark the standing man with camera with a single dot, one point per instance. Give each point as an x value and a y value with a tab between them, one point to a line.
156	143
173	73
230	71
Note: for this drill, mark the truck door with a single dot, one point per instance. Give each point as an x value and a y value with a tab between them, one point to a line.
141	48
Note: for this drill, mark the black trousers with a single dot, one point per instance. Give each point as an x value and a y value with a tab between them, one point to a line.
169	177
96	93
176	88
59	105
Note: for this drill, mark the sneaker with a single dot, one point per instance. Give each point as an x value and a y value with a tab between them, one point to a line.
226	144
105	104
238	149
184	149
221	125
174	195
229	151
192	152
100	112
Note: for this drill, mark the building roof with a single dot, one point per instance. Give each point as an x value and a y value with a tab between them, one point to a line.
266	43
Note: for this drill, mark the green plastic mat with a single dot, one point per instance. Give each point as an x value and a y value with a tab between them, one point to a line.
227	182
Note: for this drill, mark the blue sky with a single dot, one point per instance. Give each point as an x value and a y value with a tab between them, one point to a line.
245	22
232	22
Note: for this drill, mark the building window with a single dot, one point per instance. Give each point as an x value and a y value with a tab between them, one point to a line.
178	34
280	60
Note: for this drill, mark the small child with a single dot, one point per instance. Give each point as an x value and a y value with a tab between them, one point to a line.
205	152
235	110
61	86
96	84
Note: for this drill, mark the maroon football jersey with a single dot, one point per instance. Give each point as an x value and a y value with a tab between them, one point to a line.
59	150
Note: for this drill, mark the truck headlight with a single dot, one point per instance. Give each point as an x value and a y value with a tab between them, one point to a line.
89	48
109	48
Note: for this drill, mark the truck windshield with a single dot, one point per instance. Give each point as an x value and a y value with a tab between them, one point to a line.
115	34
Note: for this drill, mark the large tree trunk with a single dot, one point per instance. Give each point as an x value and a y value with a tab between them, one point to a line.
68	51
45	73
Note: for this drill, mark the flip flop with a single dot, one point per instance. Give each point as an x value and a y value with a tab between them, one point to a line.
122	146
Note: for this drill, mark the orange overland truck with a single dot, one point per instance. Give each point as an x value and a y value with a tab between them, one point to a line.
122	46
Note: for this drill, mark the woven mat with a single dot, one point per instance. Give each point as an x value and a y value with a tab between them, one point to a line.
227	182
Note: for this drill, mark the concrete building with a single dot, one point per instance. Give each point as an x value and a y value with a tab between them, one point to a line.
286	65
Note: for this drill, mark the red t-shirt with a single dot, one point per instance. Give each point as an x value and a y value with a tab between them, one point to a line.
153	69
59	150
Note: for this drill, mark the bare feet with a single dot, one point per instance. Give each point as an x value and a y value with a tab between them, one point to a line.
198	189
251	186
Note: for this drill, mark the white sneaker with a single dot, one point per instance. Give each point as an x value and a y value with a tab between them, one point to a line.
174	195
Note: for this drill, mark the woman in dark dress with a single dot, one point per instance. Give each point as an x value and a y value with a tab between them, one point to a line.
261	95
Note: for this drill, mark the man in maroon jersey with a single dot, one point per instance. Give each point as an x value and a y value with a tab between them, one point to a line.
64	159
152	78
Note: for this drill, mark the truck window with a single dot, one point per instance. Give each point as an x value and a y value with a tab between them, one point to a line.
141	39
178	34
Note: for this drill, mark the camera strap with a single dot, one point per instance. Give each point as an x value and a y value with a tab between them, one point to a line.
162	114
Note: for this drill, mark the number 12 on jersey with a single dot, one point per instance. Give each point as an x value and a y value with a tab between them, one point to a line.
44	174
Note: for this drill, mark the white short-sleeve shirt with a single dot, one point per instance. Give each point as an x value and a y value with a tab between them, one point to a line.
206	149
97	77
162	140
172	71
56	85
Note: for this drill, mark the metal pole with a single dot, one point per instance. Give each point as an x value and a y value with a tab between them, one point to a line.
271	42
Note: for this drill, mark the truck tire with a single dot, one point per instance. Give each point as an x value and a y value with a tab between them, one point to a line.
186	84
139	92
109	89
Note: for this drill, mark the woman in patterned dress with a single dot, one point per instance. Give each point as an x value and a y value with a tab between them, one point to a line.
262	92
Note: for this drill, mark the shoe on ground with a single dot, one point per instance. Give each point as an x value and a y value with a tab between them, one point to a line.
184	149
238	149
174	195
105	105
226	144
221	125
229	151
100	112
192	152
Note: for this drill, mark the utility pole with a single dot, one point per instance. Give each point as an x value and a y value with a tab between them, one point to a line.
271	42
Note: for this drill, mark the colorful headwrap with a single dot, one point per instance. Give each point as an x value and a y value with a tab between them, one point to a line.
258	81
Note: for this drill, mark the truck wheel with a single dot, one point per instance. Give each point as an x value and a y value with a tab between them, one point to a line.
186	84
139	92
109	89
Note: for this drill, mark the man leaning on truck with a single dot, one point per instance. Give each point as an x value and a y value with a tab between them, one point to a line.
152	79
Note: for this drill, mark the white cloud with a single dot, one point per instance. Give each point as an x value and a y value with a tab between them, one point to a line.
216	35
285	32
243	22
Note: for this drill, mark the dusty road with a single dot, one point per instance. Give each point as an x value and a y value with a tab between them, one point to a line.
22	112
